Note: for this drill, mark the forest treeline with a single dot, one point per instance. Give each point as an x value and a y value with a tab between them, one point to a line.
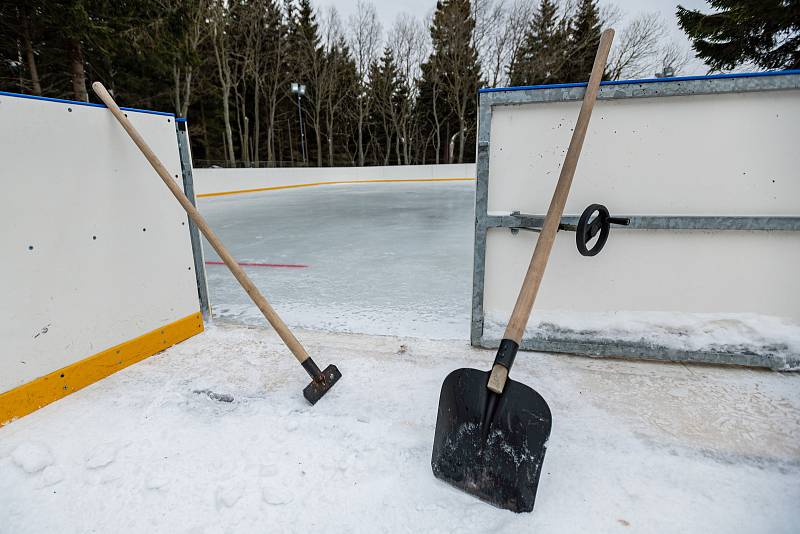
404	95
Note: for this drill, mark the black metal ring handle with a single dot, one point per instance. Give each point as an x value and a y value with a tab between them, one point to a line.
586	230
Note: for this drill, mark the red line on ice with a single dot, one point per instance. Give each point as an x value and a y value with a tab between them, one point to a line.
249	264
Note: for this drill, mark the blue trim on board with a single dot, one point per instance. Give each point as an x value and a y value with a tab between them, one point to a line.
644	80
88	104
180	119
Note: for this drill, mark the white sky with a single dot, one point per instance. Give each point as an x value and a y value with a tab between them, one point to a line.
389	9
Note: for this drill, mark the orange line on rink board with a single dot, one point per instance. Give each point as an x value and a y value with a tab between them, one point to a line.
312	184
29	397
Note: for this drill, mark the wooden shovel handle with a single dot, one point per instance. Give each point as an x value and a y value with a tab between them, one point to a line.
533	278
269	313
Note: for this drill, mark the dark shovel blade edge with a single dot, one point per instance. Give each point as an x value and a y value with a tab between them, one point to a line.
504	469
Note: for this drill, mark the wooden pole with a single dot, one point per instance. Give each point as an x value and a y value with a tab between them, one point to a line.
269	313
544	244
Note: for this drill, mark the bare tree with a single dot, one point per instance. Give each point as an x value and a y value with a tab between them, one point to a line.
501	47
408	39
364	33
221	45
637	49
184	65
275	75
673	58
334	90
490	35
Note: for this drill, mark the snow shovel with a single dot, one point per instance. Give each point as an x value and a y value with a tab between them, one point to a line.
321	381
491	431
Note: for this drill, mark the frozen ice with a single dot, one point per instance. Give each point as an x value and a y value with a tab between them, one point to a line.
386	259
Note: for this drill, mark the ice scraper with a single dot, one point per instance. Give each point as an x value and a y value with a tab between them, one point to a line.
491	431
321	381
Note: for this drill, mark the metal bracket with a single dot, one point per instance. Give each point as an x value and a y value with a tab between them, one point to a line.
533	223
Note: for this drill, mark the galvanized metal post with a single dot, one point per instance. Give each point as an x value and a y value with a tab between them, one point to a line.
194	234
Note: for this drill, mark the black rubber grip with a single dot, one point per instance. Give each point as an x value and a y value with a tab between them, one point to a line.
506	353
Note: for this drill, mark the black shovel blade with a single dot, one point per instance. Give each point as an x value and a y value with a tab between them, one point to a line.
503	468
318	388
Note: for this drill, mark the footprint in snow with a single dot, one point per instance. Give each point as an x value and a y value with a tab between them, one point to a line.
51	476
102	455
32	456
276	495
157	483
228	495
268	470
291	425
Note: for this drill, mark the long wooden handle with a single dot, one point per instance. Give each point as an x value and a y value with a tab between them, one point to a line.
533	278
269	313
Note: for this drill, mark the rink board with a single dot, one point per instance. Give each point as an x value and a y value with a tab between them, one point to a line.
97	269
707	168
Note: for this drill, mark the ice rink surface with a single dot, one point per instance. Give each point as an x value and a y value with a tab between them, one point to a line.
392	258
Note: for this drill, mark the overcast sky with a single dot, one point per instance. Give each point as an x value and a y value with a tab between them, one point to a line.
389	9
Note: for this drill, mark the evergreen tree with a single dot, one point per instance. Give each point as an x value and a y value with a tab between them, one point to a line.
763	32
584	37
454	64
544	50
308	61
384	94
342	90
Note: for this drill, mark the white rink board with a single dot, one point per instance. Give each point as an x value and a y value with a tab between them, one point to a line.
111	257
216	180
732	155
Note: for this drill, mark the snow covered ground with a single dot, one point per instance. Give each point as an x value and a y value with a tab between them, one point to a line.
635	447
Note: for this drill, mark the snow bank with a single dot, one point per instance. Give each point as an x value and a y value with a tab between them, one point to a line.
711	332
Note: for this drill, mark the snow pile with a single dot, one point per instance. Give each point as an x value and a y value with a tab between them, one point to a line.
157	448
739	333
32	457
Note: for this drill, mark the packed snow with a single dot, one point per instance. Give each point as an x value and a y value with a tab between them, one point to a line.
635	446
744	333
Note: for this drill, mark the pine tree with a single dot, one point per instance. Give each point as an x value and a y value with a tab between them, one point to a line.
454	62
543	53
384	94
763	32
584	36
308	60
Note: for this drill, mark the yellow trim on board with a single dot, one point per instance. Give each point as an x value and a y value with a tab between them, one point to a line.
293	186
29	397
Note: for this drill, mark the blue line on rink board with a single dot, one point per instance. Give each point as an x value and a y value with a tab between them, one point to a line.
78	103
644	80
180	119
